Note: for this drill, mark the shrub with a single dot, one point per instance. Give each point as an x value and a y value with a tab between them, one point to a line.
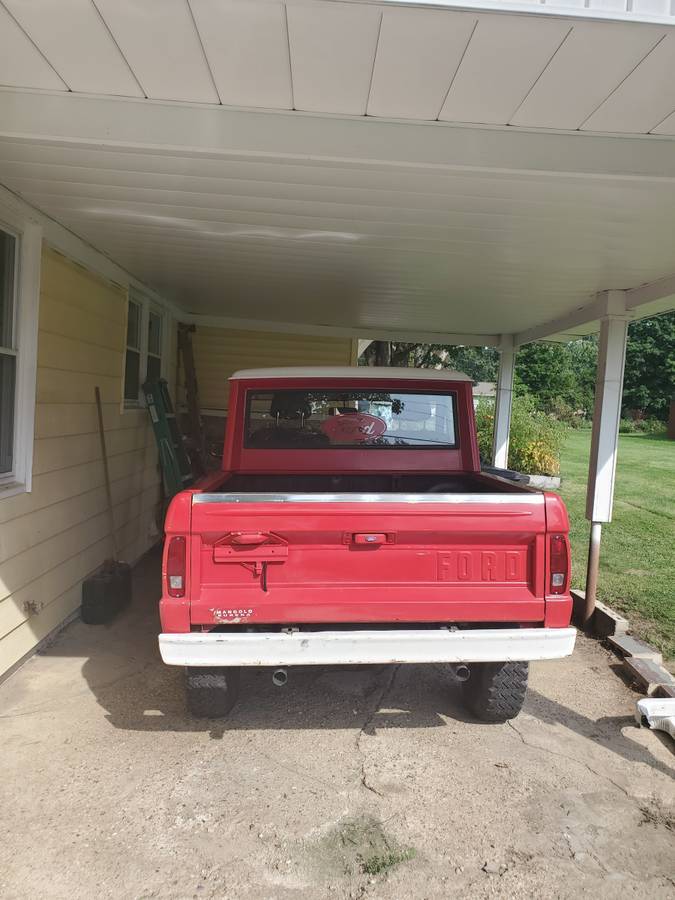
563	412
536	438
641	426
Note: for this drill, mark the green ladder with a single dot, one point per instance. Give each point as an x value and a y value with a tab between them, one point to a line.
173	459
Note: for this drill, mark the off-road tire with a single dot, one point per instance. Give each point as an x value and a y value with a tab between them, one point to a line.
211	692
495	691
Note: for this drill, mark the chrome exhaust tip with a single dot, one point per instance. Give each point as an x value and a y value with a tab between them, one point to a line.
279	677
462	673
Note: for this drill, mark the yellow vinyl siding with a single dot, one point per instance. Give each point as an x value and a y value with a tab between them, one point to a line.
53	537
219	352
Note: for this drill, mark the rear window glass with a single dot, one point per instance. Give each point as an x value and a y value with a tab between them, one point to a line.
298	420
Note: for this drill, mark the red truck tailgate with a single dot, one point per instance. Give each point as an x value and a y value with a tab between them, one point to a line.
338	558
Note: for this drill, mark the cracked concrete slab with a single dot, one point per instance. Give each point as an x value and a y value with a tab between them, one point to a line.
379	787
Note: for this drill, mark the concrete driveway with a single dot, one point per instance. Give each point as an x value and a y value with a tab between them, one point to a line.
360	783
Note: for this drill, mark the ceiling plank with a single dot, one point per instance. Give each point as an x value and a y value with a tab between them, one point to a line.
246	44
504	59
590	63
76	41
644	99
162	47
418	54
21	63
332	52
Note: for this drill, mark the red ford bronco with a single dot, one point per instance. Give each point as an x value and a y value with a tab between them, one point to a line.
351	524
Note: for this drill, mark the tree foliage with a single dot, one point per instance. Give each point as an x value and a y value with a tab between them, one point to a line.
560	377
649	381
479	363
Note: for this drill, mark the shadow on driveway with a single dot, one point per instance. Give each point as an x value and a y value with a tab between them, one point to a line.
139	693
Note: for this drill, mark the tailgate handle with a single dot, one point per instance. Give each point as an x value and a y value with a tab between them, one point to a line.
249	539
370	538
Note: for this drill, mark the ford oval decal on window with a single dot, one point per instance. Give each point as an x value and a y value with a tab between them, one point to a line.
353	428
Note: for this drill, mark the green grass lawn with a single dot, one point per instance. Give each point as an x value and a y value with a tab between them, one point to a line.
637	564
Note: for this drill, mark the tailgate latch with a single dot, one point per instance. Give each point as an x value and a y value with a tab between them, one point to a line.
252	549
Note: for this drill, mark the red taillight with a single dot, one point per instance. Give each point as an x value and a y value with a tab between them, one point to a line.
560	563
175	567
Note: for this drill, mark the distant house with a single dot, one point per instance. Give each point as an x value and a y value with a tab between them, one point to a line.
484	389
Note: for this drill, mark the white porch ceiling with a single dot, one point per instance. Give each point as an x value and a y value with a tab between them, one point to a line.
358	194
383	59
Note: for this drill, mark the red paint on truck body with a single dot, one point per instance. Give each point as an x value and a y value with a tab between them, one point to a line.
284	563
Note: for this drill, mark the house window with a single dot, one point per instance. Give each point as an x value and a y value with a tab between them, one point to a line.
144	348
20	250
154	366
8	350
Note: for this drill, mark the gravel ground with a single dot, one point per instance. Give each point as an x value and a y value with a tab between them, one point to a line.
347	783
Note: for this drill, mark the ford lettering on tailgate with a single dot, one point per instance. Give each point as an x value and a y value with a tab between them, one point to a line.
478	566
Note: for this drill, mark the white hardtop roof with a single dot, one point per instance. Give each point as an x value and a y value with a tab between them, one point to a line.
352	372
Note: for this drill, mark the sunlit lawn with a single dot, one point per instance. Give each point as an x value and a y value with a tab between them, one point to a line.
637	569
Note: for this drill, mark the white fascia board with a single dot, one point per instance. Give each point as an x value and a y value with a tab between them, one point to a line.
647	300
607	303
75	248
546	9
422	337
663	289
184	129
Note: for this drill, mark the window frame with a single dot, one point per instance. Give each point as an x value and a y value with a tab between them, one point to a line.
146	307
25	311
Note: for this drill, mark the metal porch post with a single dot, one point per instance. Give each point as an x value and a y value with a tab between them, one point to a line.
606	415
500	440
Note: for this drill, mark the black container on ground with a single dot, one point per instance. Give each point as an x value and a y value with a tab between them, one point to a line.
105	593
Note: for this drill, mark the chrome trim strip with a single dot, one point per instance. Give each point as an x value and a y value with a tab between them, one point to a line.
527	499
390	645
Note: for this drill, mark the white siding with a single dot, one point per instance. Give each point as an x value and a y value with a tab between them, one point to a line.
219	352
55	536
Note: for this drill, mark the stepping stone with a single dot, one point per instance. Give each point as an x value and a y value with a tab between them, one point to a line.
633	647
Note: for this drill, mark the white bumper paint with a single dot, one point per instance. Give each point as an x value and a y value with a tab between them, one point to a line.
391	645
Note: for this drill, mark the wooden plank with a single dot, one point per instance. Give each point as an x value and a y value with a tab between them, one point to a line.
647	674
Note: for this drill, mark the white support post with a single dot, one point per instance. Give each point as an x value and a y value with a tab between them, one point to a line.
500	440
605	435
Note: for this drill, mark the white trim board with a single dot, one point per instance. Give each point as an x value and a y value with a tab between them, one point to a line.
383	334
76	249
170	128
27	300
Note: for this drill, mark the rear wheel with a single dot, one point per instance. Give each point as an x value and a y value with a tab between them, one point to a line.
495	691
211	692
